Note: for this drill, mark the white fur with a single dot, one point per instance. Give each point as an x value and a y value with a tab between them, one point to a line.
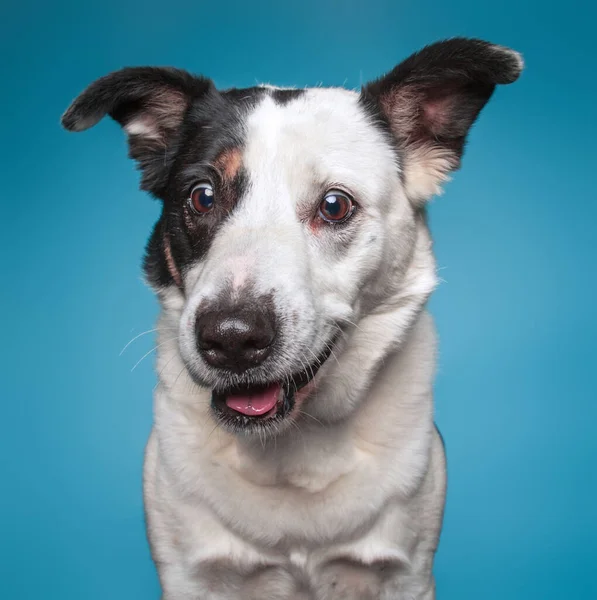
426	169
346	502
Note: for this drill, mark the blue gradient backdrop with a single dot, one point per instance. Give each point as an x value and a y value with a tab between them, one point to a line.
515	237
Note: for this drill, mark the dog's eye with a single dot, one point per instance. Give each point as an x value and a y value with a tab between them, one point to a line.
202	198
336	207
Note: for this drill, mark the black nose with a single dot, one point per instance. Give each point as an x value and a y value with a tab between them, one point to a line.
236	339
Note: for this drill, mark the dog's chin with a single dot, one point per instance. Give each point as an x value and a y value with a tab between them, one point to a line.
267	407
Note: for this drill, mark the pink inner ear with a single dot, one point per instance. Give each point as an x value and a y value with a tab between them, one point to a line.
437	113
410	108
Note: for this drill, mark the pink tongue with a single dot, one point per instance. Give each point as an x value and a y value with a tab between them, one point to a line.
256	404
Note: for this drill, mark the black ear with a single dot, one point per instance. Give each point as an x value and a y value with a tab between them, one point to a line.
150	103
431	100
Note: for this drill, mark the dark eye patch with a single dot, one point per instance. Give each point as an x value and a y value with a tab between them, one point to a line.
209	150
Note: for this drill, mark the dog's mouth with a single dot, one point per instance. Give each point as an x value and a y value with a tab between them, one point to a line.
265	405
251	404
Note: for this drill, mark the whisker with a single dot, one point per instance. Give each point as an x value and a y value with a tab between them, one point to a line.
317	359
306	367
306	414
212	431
351	323
329	347
178	376
162	370
152	350
145	333
137	337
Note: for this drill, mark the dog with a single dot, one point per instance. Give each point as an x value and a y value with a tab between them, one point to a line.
294	453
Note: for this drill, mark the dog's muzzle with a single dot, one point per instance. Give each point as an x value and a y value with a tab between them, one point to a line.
236	342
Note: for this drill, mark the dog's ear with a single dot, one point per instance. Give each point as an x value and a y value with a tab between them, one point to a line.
431	100
150	103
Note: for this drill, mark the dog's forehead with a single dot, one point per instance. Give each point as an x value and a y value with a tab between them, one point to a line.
321	119
318	134
304	111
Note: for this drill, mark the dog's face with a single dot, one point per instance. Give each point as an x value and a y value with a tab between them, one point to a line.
288	214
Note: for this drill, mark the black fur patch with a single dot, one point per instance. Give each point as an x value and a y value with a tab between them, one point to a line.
155	265
284	96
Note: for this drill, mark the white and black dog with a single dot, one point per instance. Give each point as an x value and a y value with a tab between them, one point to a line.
294	453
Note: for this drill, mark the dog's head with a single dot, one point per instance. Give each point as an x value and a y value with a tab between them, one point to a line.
290	215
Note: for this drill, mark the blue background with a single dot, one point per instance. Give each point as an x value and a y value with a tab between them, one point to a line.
515	237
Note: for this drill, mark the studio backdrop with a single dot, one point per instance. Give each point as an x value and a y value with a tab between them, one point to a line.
516	248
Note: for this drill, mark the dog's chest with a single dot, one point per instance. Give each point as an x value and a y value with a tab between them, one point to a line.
360	568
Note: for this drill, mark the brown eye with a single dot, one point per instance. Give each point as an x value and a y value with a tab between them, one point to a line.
202	198
336	207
